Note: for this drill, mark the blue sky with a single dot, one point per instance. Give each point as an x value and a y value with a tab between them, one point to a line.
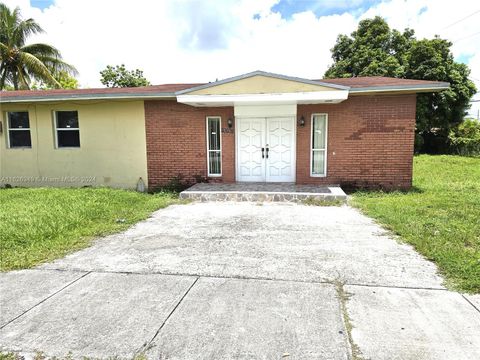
464	58
209	39
287	8
41	4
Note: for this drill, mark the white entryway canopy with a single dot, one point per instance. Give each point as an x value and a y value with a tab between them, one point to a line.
261	88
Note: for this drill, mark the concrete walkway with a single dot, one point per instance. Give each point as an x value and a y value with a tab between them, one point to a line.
241	281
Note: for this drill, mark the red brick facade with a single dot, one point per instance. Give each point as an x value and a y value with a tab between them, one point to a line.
370	142
176	142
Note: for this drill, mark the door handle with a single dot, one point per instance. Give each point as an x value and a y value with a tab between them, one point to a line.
267	152
263	154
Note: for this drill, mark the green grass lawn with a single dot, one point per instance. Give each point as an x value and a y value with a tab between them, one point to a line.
38	225
440	217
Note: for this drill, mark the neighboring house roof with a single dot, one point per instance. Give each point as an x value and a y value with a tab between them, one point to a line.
353	85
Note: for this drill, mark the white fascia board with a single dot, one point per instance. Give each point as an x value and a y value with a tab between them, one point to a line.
411	88
266	74
32	99
313	97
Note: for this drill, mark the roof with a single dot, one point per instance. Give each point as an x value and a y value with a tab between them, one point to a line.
382	82
165	90
265	74
354	85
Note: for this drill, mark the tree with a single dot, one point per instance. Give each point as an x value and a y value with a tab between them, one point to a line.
433	60
119	76
65	80
372	50
21	64
376	50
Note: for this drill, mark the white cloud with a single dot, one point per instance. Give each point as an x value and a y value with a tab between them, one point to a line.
201	40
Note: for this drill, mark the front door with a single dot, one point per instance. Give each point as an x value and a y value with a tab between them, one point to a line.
266	149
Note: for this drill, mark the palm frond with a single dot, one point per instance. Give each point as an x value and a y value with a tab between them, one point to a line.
37	69
41	49
21	63
3	78
56	65
23	78
3	47
24	29
7	23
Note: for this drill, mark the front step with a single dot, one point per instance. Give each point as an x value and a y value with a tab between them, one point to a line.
265	192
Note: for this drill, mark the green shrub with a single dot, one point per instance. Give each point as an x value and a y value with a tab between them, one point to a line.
179	183
465	138
175	185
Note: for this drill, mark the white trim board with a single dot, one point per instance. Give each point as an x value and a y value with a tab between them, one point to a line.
312	97
265	110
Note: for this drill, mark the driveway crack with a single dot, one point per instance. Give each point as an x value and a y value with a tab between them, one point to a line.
471	303
146	346
48	297
343	297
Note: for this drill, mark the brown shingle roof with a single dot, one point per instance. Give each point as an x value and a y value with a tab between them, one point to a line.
153	89
377	81
168	90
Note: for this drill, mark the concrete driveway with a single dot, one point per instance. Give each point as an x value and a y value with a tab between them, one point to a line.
241	281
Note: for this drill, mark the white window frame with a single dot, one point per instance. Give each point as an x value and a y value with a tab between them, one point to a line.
219	118
8	129
312	149
55	129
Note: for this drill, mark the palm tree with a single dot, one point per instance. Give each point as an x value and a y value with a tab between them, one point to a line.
20	64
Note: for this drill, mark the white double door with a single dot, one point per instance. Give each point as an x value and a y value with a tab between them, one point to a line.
265	149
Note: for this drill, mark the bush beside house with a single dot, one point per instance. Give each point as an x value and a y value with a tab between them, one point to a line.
465	138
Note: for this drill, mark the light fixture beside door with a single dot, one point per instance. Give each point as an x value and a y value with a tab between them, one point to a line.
301	121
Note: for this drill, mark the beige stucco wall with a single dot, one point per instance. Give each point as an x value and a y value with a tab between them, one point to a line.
112	147
260	85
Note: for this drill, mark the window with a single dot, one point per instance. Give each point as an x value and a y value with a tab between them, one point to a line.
18	125
66	128
319	145
214	147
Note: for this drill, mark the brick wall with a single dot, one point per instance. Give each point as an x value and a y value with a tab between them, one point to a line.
176	142
370	142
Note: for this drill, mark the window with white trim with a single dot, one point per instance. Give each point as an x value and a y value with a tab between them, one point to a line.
18	125
214	146
67	130
319	145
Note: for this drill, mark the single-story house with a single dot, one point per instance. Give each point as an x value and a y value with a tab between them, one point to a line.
258	127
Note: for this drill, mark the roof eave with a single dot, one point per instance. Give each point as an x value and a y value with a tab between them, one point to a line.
402	88
76	97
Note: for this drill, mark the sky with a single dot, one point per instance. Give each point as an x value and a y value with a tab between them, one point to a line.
204	40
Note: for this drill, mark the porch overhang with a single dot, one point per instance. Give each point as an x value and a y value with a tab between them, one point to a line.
310	97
